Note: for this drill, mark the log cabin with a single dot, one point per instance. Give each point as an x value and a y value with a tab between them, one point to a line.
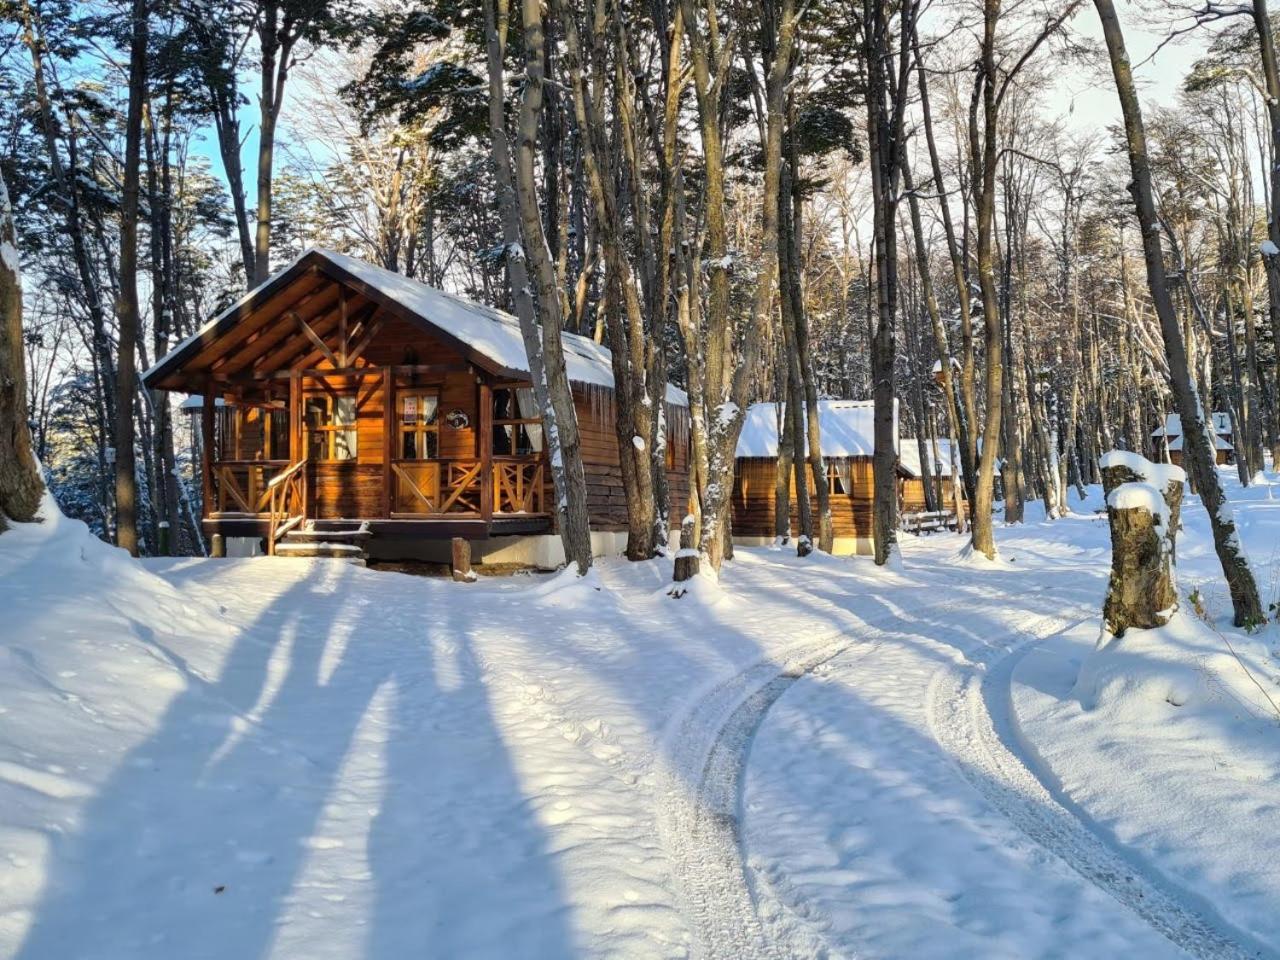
911	485
1168	438
348	410
848	441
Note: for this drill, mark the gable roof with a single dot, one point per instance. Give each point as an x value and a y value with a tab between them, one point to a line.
1172	426
847	428
489	338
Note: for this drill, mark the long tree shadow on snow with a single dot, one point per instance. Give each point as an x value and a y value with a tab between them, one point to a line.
253	782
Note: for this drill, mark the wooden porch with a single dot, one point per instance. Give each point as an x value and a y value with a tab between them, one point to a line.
374	447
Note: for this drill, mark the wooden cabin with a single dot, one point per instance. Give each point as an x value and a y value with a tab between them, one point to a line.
344	402
1168	436
848	441
911	484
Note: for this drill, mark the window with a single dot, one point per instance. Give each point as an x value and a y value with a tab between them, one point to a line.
839	476
331	426
251	433
419	425
517	428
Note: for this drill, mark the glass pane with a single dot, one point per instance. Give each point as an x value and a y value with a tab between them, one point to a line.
344	412
278	434
502	406
429	406
318	448
409	445
317	412
502	441
344	445
432	443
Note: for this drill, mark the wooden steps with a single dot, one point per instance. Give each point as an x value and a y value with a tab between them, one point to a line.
343	542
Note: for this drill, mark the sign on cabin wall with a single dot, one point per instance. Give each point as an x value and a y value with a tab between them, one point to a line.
458	419
410	409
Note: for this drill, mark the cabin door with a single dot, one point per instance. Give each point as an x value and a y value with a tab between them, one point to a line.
415	469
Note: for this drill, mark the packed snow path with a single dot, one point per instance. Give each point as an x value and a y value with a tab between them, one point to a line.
299	758
970	715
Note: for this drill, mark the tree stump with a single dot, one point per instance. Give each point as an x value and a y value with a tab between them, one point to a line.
1141	592
686	559
1120	467
461	561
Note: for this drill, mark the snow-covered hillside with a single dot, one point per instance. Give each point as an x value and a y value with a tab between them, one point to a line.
294	758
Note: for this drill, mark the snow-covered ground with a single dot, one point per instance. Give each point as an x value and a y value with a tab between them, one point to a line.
291	758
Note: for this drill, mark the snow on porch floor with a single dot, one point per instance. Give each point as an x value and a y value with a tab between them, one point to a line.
296	758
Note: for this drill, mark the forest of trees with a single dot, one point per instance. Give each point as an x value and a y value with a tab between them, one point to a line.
758	201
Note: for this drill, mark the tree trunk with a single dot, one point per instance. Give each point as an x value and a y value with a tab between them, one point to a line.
624	314
127	307
1271	78
1198	445
984	158
518	209
20	486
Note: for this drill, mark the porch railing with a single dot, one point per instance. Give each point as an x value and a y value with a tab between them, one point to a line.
456	487
519	485
243	486
287	503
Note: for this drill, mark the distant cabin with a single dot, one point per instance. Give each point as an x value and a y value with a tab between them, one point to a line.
848	441
1171	430
340	398
940	470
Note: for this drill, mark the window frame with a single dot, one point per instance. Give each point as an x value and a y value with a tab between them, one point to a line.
513	422
330	427
419	428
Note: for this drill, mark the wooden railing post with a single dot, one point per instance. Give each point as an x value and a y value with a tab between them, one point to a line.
206	449
485	440
388	436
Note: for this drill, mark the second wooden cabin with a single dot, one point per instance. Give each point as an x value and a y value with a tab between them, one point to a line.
1167	438
848	441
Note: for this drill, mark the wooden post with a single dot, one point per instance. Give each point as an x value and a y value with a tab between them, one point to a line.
218	545
484	439
206	449
388	435
461	562
295	416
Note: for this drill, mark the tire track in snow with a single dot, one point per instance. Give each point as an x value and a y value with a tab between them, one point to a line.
700	813
970	715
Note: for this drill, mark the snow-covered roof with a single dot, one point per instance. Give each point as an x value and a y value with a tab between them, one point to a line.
1218	442
1172	426
493	334
196	402
909	457
847	428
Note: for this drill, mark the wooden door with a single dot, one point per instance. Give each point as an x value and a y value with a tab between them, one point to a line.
415	467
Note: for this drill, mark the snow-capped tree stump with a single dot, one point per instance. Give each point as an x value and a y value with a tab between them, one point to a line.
1121	466
686	559
1141	592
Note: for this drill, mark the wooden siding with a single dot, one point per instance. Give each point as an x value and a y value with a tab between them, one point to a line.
754	505
606	499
